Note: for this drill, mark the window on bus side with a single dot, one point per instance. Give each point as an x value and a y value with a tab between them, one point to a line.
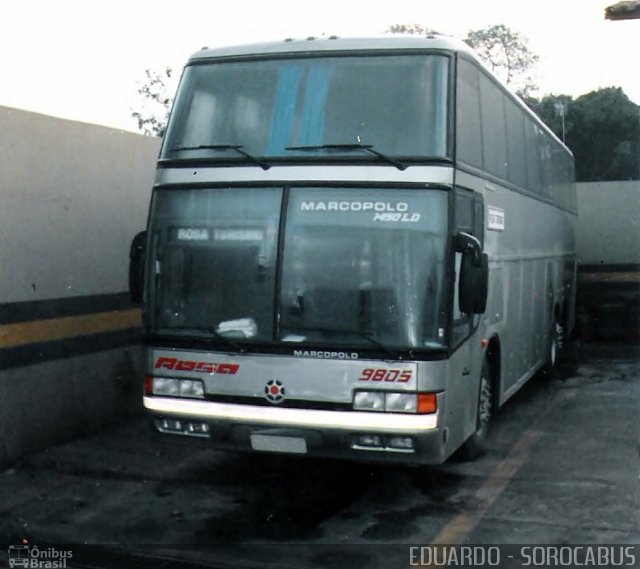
516	148
469	217
534	174
470	213
468	125
461	322
494	138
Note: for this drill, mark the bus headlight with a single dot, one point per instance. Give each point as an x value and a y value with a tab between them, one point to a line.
421	403
169	387
191	388
401	402
368	401
165	386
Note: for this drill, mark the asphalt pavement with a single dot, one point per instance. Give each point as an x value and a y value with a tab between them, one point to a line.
562	468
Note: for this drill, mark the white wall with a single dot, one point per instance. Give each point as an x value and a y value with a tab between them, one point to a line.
608	230
72	196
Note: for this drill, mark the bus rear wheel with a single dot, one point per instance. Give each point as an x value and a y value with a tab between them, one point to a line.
476	444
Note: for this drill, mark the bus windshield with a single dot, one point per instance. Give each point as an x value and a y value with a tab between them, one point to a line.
354	267
396	104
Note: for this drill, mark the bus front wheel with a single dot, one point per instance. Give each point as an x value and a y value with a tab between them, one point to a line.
476	444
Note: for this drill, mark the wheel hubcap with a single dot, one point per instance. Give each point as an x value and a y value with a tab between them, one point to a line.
484	411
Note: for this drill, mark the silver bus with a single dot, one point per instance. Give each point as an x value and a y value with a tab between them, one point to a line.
356	248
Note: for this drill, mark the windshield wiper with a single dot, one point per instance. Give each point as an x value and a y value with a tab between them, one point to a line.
223	339
347	147
222	148
386	349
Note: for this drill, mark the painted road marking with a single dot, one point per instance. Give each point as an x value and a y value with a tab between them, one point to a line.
457	530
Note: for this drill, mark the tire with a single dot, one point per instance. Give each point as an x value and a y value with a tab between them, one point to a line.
556	344
476	444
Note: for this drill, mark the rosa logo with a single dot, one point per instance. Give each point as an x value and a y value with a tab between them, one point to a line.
274	391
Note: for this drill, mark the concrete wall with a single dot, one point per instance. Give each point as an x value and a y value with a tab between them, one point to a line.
72	196
608	231
608	243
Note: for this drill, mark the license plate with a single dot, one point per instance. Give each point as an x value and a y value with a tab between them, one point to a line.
274	443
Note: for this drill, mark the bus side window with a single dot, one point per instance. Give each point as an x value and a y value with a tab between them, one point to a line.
461	322
464	211
494	137
468	121
470	214
469	217
478	218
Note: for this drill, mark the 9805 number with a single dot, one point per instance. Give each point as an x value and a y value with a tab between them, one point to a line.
383	374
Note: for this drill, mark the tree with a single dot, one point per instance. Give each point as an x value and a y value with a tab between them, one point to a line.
554	110
507	54
156	102
605	128
602	129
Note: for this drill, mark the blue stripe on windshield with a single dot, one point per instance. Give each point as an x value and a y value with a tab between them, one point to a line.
315	99
284	112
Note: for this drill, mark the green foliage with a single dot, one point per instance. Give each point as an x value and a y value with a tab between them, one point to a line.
156	103
604	136
602	129
506	53
553	110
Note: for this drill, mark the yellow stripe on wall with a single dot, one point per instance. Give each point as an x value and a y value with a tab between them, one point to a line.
22	333
614	276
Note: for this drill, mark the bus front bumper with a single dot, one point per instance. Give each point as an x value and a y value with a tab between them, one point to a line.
380	437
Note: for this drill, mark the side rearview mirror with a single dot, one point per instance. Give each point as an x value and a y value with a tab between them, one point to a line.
136	267
468	244
474	275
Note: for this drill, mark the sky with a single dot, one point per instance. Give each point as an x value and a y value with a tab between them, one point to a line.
85	60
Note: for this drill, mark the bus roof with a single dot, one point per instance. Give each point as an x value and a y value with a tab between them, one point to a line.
334	43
